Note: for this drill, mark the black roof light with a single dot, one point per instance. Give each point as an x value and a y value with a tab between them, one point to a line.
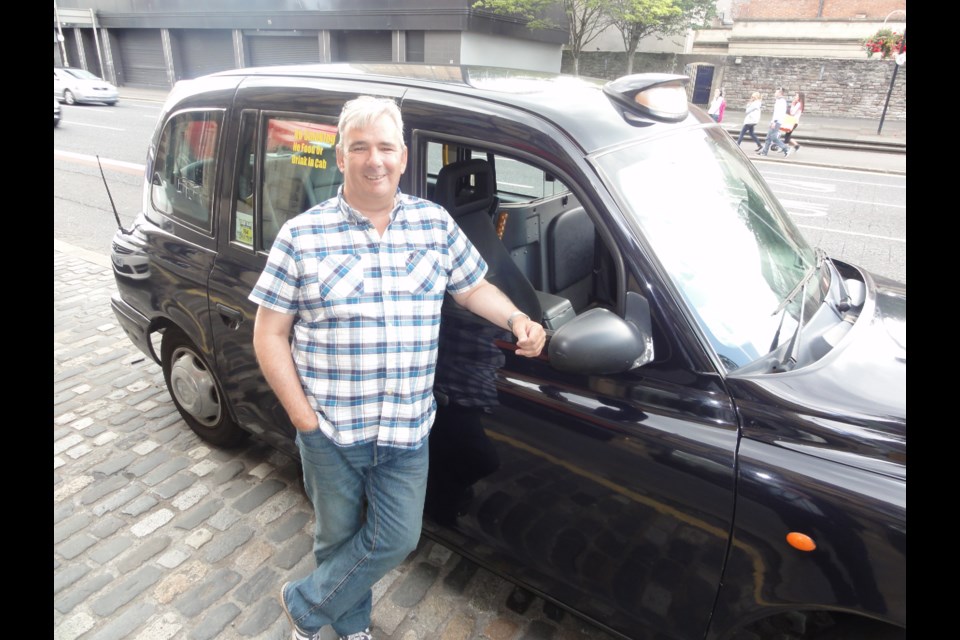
650	97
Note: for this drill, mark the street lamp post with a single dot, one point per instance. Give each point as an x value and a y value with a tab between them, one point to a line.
898	60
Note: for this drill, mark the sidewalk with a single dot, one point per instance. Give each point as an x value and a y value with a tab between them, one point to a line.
893	132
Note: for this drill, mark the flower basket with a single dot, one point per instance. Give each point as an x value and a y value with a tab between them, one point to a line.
885	42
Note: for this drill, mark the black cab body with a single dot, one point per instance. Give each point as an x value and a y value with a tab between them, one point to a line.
713	444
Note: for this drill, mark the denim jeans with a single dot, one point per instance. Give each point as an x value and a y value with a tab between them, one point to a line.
745	130
368	501
773	138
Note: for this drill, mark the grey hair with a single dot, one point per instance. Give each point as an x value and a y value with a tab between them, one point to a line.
363	111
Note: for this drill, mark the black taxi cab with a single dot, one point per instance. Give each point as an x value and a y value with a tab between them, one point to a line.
713	443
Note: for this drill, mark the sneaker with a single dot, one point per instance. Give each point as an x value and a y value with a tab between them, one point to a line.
759	149
360	635
297	634
786	153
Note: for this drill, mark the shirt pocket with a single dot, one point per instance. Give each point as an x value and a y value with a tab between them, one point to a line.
339	276
425	272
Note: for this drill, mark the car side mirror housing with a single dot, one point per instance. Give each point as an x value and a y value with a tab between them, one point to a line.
601	342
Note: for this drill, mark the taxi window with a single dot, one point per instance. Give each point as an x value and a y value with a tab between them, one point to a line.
517	181
185	170
299	170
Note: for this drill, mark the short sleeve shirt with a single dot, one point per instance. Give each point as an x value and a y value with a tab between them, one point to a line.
368	312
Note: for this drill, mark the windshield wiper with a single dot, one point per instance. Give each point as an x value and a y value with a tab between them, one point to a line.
790	355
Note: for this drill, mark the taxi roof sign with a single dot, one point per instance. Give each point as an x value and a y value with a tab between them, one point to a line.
645	97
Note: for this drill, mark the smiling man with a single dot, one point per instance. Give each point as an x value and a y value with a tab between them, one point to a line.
360	280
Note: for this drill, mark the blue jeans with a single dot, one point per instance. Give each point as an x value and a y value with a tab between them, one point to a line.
355	543
748	129
773	138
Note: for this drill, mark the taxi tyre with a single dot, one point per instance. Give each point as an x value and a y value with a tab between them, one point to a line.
196	392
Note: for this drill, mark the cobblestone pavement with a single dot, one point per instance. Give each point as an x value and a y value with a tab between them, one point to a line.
159	536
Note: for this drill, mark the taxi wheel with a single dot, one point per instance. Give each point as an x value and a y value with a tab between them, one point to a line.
68	97
196	392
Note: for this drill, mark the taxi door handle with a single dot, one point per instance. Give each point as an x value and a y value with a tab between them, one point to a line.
231	317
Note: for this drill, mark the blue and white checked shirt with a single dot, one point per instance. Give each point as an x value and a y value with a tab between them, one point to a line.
368	312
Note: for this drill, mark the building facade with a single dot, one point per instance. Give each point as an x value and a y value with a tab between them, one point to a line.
151	44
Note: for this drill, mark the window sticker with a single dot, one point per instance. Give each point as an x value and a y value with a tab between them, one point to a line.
309	144
244	228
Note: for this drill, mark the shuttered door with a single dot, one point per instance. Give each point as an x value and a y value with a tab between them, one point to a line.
90	51
270	50
141	57
365	46
204	51
73	48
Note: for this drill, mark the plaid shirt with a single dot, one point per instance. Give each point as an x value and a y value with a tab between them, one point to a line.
368	312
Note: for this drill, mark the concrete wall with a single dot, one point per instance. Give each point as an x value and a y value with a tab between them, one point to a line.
795	38
498	51
834	88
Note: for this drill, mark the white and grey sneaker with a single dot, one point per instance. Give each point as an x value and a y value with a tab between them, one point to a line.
297	634
360	635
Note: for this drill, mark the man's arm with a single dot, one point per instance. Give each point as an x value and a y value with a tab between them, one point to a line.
271	343
487	301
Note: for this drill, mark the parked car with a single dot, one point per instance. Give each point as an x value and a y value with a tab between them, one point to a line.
713	444
74	86
56	112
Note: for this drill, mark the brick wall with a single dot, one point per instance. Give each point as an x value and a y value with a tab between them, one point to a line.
809	9
833	88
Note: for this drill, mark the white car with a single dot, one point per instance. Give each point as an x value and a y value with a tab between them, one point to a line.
79	85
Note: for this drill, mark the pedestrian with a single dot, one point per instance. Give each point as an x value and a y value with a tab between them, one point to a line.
360	279
773	133
792	120
717	107
751	117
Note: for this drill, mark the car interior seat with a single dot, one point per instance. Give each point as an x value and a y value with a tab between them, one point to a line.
467	190
571	244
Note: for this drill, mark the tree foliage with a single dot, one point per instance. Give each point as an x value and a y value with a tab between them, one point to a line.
586	19
637	19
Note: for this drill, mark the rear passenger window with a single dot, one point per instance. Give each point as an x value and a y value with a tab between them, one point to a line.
299	170
182	185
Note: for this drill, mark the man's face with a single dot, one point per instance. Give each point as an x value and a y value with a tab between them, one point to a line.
372	160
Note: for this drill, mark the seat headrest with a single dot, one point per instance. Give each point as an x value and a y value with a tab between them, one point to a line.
466	186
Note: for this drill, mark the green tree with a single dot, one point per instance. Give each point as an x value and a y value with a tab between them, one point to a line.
586	19
636	19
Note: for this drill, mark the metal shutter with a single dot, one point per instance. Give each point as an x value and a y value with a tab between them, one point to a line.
365	46
269	50
141	57
204	51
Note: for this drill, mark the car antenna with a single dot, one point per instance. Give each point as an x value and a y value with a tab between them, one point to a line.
105	186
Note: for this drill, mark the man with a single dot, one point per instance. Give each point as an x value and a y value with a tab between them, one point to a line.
360	280
773	133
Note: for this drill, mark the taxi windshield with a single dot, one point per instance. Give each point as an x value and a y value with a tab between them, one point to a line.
728	246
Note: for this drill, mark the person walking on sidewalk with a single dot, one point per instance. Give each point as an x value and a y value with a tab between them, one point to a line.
717	107
360	279
751	117
773	133
793	119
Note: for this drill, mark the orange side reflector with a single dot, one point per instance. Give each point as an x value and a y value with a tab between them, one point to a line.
801	541
501	223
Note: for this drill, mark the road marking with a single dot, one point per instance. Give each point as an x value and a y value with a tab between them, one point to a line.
872	203
95	126
804	185
853	233
804	209
118	165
